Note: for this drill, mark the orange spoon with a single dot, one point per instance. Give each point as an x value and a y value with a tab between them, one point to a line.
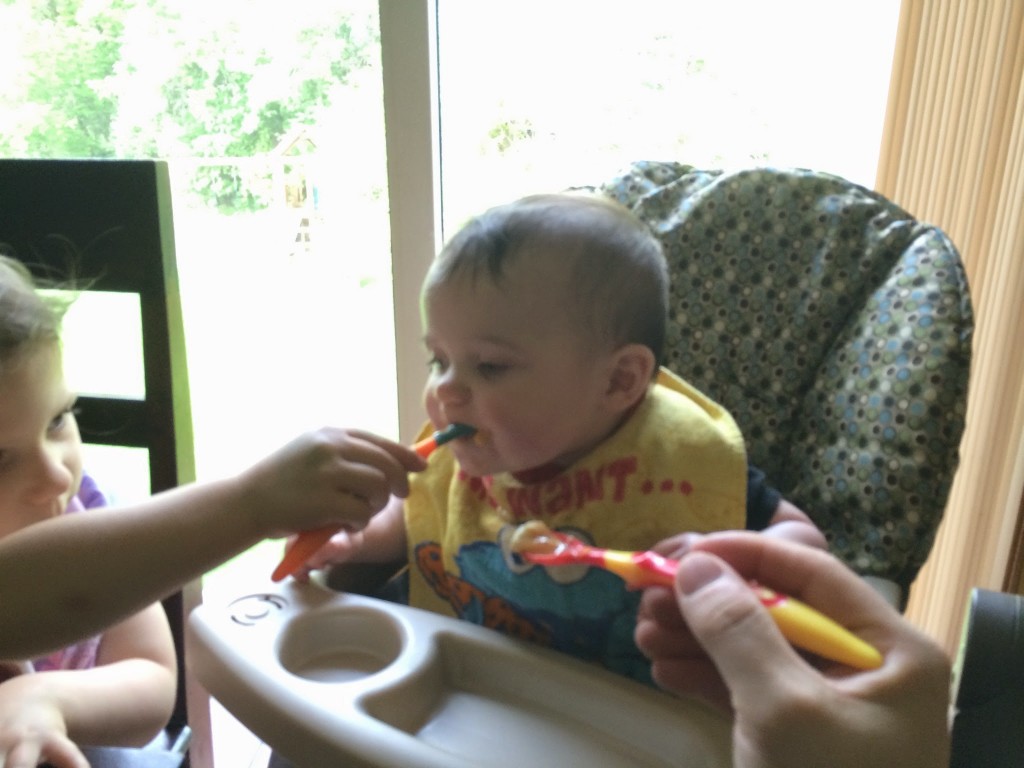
308	542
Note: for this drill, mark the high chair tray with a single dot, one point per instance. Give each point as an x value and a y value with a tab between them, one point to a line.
344	680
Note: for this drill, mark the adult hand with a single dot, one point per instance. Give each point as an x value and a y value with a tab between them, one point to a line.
711	637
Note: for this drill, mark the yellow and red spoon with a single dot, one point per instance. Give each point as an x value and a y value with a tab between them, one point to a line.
308	542
803	626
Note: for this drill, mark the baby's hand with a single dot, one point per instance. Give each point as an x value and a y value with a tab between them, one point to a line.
383	540
32	728
340	548
788	522
330	476
793	524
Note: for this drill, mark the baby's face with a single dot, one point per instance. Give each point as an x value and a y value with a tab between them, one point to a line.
510	359
40	448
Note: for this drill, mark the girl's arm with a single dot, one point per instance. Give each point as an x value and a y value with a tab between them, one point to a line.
100	567
136	663
125	700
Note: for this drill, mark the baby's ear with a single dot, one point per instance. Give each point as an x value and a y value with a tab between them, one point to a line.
632	371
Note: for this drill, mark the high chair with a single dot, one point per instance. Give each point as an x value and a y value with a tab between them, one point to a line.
836	328
106	226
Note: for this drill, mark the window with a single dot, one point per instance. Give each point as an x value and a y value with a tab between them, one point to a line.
571	92
275	135
113	367
275	141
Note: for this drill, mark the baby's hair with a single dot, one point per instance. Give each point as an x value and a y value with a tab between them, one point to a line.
615	263
27	316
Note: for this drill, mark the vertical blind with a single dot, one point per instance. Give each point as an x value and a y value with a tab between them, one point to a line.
953	154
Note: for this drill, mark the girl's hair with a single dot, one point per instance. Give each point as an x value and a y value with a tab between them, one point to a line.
616	266
27	317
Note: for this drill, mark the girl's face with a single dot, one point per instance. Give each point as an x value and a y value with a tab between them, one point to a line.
510	359
40	448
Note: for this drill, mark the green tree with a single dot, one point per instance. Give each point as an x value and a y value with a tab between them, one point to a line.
77	47
229	101
145	78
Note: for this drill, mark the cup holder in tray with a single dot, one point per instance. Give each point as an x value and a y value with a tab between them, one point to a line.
341	646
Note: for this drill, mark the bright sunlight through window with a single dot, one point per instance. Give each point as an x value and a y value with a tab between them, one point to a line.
572	91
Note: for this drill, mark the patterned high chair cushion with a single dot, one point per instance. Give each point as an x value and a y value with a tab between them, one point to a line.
836	328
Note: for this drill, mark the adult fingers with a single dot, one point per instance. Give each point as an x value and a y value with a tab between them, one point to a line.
736	631
811	575
674	547
694	676
661	630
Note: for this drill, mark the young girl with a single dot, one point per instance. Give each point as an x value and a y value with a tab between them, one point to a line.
68	574
114	688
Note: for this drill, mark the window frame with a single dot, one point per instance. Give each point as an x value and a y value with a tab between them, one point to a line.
408	31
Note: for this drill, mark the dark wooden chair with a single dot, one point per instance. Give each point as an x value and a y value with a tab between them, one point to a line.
107	226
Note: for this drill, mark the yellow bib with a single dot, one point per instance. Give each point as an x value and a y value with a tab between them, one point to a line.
677	464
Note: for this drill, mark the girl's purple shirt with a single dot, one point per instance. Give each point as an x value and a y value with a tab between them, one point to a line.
81	655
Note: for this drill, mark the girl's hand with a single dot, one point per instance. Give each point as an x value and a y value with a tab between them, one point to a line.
331	476
32	729
340	548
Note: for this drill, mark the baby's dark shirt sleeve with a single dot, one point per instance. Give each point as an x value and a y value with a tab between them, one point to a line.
762	499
